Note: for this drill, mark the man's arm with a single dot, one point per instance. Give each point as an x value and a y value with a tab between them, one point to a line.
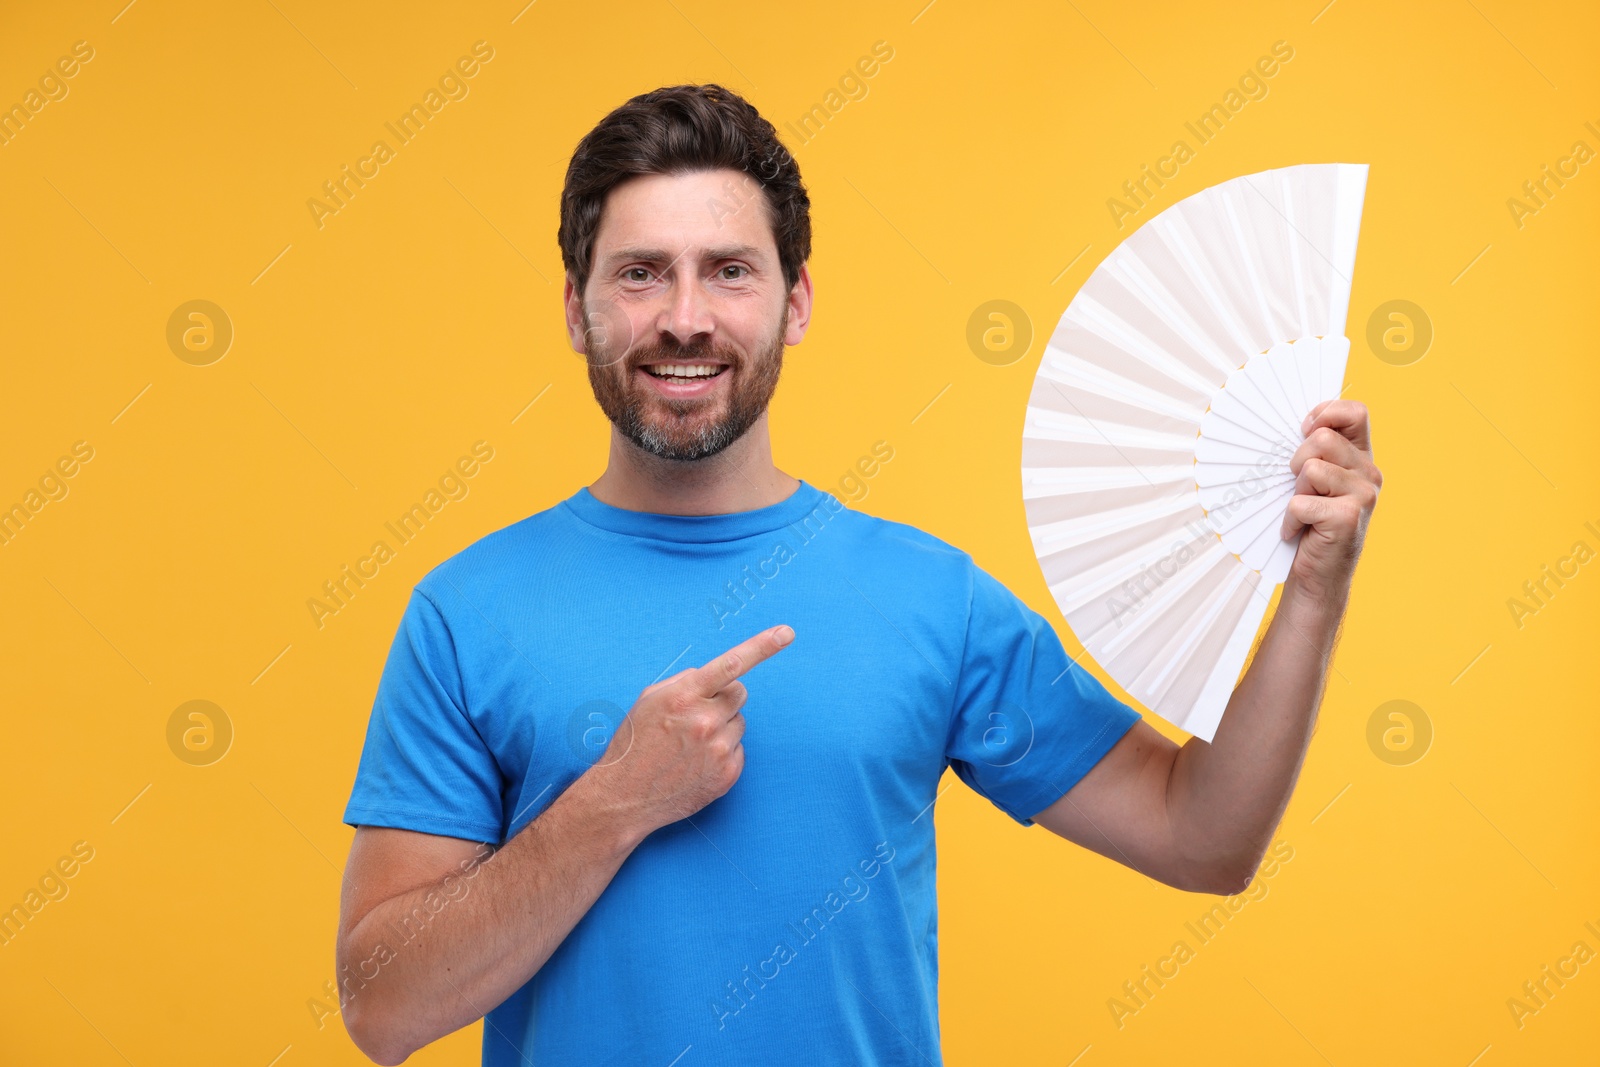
1200	817
501	919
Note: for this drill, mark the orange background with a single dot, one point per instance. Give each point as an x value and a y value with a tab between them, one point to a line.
369	353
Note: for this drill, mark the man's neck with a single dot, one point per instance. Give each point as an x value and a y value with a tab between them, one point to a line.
739	478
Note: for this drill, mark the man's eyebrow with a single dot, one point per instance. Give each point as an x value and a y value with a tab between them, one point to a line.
658	255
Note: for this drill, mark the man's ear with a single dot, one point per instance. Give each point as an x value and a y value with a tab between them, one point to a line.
799	307
572	307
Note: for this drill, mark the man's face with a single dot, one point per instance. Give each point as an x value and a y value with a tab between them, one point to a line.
686	315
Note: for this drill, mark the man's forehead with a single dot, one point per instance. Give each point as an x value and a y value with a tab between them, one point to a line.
699	216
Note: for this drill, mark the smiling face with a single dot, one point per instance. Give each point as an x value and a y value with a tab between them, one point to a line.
686	315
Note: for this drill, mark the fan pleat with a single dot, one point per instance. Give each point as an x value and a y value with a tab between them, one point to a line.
1219	427
1173	676
1211	643
1238	522
1051	395
1089	569
1284	407
1263	325
1229	495
1258	530
1102	322
1078	505
1060	369
1138	300
1251	396
1156	603
1215	475
1332	357
1059	536
1166	309
1230	406
1187	625
1054	426
1062	481
1247	606
1066	454
1203	297
1290	378
1352	188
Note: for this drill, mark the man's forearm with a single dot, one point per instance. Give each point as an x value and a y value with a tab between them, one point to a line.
1226	798
488	940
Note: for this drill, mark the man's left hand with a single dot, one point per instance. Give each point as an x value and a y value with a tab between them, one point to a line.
1336	487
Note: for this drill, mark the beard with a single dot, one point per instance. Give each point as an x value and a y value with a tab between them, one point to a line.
690	428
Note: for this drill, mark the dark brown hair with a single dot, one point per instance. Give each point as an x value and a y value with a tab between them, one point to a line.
681	129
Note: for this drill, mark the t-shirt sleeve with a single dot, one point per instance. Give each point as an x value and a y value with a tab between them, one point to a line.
1027	722
424	766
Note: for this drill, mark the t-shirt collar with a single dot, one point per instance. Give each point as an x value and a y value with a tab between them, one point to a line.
697	528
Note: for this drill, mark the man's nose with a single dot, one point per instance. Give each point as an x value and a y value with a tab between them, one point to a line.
687	315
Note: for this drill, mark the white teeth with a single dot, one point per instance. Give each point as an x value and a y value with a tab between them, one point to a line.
678	370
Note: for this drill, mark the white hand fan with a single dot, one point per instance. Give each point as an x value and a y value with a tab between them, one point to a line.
1155	455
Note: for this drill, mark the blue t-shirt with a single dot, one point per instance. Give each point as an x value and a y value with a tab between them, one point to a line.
792	920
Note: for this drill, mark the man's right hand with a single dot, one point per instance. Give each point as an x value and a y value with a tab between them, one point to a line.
679	747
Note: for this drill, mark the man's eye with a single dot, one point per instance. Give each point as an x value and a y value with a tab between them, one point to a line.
733	266
633	271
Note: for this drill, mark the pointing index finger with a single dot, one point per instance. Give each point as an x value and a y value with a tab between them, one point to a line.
711	678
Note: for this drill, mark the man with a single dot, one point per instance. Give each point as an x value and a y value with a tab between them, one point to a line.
649	773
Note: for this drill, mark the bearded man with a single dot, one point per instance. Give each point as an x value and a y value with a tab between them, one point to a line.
649	774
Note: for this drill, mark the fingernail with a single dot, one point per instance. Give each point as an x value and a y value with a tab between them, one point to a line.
784	634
